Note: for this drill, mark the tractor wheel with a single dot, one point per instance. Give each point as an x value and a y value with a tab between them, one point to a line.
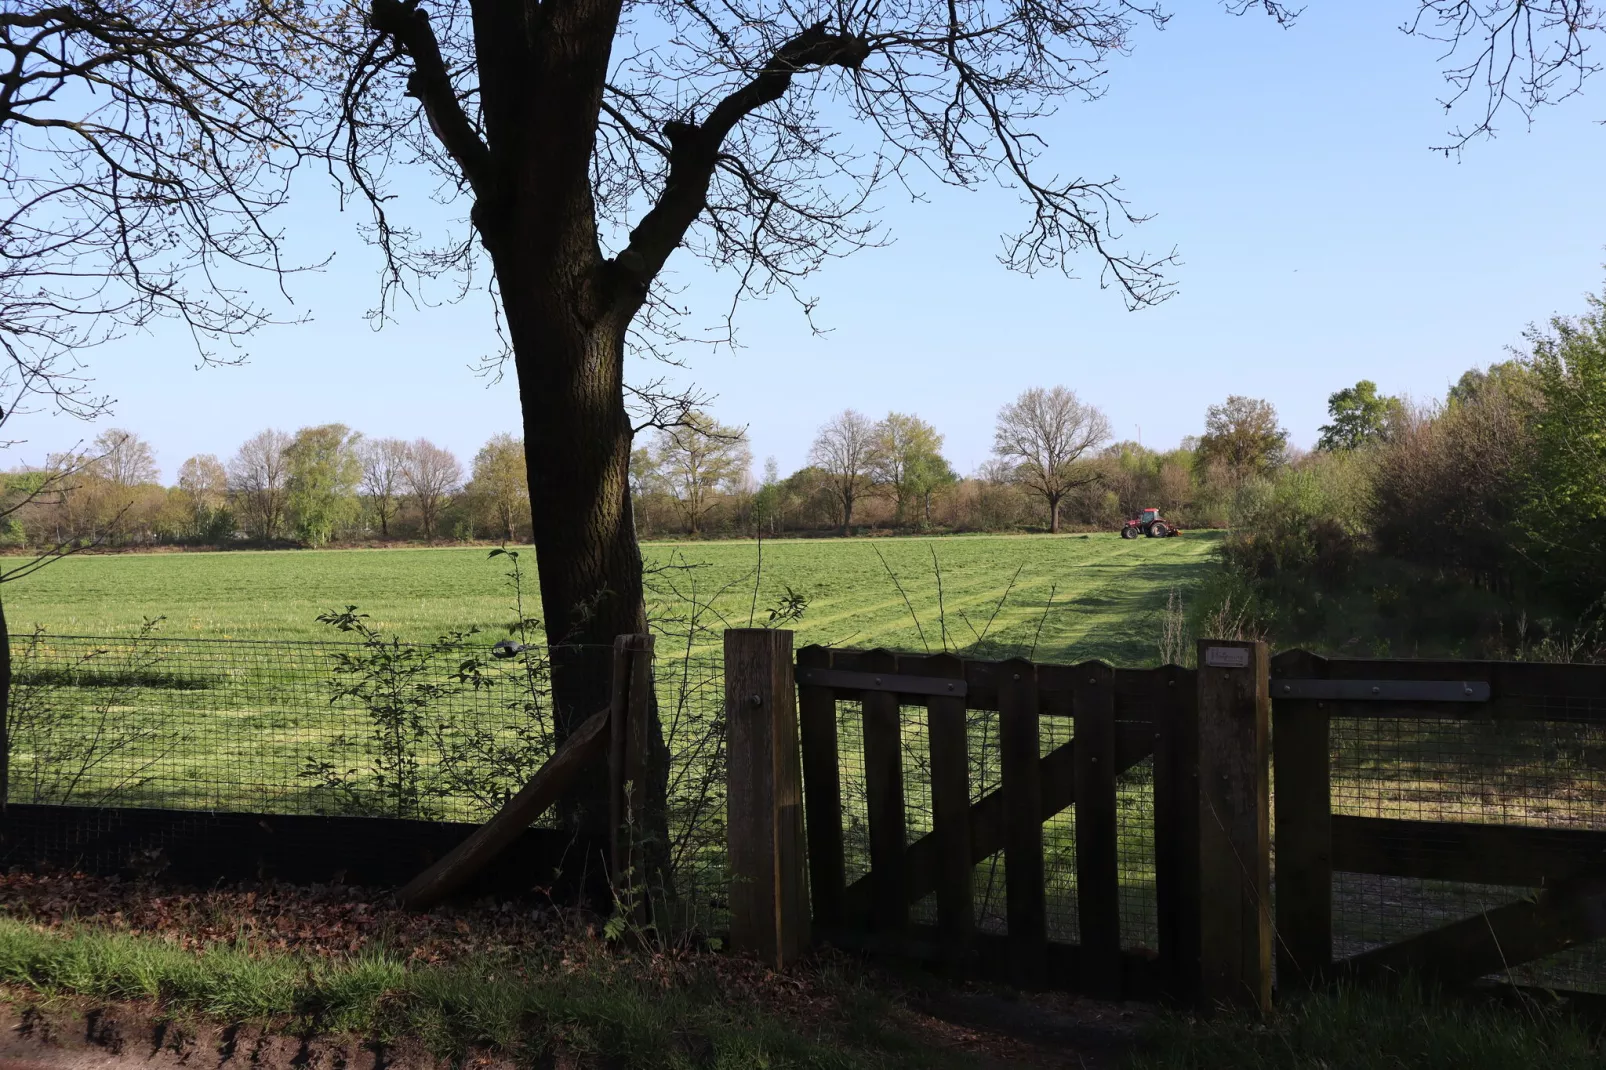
1129	532
1159	529
1148	530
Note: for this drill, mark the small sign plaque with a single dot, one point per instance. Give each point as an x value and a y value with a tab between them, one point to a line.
1227	657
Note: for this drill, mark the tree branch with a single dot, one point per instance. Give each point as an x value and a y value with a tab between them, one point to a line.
431	85
694	150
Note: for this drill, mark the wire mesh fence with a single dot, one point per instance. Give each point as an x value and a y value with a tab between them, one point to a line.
1541	774
438	732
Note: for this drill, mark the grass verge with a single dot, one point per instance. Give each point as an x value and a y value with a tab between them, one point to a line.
619	1009
1401	1028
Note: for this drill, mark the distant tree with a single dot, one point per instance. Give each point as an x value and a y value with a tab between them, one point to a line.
322	474
845	450
382	462
1360	416
1043	436
501	481
698	458
257	475
1242	436
1475	381
768	502
430	473
645	484
205	484
123	459
908	462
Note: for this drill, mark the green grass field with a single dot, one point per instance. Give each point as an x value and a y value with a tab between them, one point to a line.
1090	596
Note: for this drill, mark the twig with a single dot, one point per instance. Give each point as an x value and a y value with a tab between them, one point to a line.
912	615
1053	587
1000	605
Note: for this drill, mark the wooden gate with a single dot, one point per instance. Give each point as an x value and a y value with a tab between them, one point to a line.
1115	720
1489	773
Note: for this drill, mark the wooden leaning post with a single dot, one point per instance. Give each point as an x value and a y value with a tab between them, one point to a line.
617	734
1234	825
764	795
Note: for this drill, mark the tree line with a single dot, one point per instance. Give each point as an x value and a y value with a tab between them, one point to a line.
1054	462
319	485
1468	525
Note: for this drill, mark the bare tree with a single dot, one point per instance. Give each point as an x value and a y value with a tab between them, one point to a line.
258	474
1042	435
430	474
205	483
124	460
846	450
382	462
698	457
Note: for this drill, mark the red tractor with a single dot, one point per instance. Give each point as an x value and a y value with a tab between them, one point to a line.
1148	524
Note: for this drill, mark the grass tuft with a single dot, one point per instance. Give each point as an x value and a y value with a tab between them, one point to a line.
527	1008
1402	1028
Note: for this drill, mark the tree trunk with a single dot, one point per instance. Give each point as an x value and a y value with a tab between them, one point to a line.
847	513
1054	516
587	559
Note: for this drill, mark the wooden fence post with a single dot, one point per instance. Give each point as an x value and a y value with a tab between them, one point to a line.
1234	824
769	897
629	711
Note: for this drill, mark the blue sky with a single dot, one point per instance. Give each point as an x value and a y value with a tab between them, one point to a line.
1322	242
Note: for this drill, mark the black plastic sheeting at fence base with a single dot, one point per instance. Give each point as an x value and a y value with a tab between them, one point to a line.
205	848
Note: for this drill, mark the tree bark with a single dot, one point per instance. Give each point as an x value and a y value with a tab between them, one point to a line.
1054	515
587	559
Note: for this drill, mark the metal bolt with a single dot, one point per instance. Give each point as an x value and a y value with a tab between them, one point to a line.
1225	777
1466	690
1094	759
1288	689
1171	683
878	680
950	687
1092	680
755	700
1377	690
1157	735
1017	676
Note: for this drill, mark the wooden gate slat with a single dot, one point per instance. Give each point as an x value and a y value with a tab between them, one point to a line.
988	821
822	790
1176	825
1098	874
950	809
883	786
1024	891
1304	829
